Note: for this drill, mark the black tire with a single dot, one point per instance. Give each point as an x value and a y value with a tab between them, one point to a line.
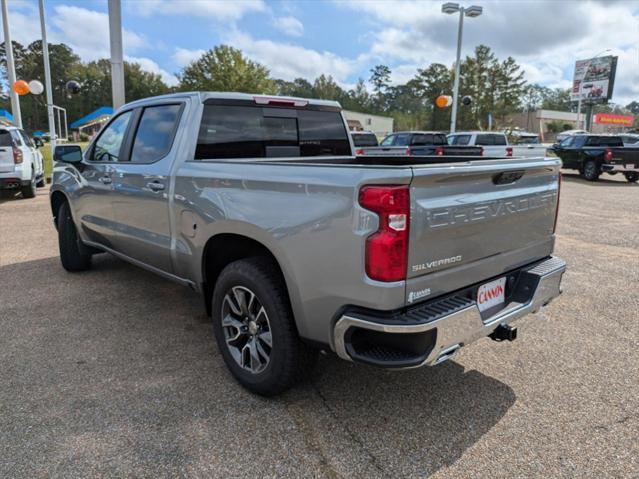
591	170
73	254
290	360
29	191
632	176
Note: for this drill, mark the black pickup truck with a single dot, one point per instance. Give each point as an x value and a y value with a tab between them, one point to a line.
418	143
593	155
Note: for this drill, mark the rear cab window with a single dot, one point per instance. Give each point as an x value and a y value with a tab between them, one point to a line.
490	139
459	139
253	131
611	141
364	139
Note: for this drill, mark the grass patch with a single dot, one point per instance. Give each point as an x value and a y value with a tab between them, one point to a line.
48	161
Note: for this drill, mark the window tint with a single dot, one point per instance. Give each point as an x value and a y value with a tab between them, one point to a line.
604	141
5	138
155	133
256	132
402	139
422	139
26	139
568	141
439	139
388	141
459	139
108	146
484	140
16	137
364	139
499	140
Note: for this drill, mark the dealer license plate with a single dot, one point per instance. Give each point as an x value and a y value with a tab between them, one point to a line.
491	294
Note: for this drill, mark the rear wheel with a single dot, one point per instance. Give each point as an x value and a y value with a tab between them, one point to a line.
632	177
29	191
591	170
41	183
73	254
255	330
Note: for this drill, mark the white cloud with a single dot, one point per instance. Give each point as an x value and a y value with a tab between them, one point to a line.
289	61
220	10
289	25
182	56
87	32
544	37
151	66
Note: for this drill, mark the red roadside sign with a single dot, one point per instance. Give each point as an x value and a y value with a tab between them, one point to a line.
617	120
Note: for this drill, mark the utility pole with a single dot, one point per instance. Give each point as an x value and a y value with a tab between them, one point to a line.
47	78
117	60
453	116
11	70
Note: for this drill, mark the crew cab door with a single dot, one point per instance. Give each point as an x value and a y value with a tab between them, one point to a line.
141	186
92	204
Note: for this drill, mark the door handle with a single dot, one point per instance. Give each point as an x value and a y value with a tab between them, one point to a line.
155	186
105	180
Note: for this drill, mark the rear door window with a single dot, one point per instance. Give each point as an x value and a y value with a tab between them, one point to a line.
388	141
155	133
255	132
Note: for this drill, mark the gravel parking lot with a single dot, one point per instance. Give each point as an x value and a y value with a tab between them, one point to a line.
114	372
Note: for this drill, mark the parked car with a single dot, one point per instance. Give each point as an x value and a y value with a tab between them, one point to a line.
495	144
630	139
565	134
363	138
417	143
297	244
593	155
21	164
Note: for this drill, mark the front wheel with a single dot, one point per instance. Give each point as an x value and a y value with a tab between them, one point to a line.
73	254
632	177
591	170
255	329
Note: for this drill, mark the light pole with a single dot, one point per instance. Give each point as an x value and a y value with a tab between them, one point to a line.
117	62
474	11
47	78
11	70
581	83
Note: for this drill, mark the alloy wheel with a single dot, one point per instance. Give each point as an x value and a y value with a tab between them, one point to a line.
247	330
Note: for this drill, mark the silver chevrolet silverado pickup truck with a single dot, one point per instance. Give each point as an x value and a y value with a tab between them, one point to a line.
297	245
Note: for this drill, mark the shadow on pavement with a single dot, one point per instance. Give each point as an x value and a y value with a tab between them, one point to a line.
604	180
115	371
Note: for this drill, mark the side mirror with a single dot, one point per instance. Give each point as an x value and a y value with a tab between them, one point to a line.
68	153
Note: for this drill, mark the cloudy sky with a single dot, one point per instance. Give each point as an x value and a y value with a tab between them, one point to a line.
346	38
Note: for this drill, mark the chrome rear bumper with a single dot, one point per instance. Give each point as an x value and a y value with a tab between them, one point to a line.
445	325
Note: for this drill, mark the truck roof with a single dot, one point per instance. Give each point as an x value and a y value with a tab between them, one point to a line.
477	132
206	95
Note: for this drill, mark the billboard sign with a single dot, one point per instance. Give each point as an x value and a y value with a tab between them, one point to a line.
615	120
594	79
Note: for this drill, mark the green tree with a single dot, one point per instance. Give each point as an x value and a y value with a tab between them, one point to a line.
225	68
380	79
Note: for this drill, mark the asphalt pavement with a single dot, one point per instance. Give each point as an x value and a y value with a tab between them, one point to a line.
114	373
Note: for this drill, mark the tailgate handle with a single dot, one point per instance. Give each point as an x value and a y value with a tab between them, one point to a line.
507	177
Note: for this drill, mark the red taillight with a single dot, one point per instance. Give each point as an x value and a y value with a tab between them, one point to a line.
481	151
17	155
608	155
554	226
387	248
409	151
439	151
359	152
509	151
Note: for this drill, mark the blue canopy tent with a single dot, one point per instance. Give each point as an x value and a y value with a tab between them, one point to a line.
91	123
6	118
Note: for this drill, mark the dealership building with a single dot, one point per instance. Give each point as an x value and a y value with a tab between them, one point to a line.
380	125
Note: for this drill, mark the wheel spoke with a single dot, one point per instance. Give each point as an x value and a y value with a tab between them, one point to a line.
260	349
234	307
256	363
230	322
265	337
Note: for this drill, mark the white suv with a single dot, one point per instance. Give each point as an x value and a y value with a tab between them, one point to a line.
21	165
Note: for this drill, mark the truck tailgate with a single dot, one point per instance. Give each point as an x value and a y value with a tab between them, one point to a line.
463	214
